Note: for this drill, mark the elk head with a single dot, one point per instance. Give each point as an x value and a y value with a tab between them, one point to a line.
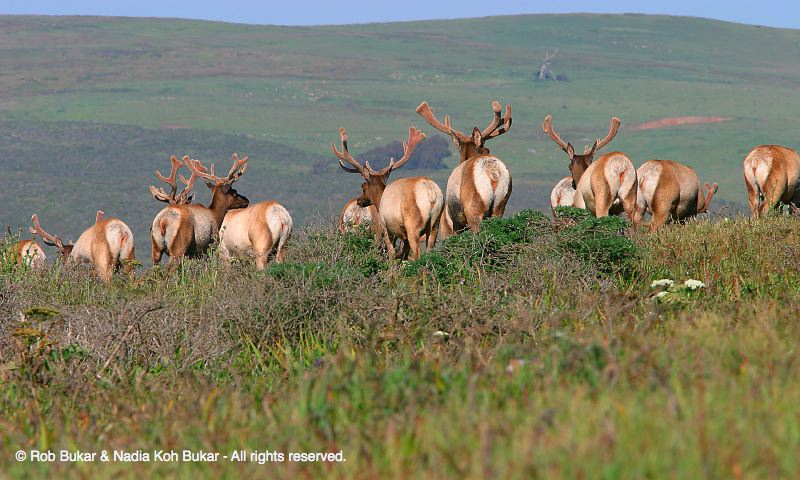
474	144
52	240
579	163
374	181
182	198
222	191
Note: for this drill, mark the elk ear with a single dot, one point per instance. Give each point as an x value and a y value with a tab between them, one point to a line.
593	149
226	188
476	137
570	151
211	185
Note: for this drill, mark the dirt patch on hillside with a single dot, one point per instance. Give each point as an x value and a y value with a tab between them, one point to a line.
673	121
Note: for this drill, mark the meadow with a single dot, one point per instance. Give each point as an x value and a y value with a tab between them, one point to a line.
535	348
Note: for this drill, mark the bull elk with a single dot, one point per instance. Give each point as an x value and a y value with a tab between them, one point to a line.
259	230
108	245
771	177
670	190
599	183
186	229
407	208
479	187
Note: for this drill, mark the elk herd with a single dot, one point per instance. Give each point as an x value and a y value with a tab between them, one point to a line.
413	210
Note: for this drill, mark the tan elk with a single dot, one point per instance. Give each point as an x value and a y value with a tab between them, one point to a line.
108	245
771	177
258	231
480	186
407	208
599	183
29	253
354	216
182	229
562	195
670	190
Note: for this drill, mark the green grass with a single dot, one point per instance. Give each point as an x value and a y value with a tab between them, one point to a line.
543	364
288	90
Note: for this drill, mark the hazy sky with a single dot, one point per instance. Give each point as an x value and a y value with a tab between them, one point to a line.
774	13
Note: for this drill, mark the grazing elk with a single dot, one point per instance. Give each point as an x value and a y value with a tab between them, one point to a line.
670	190
407	208
184	229
29	253
108	245
259	230
563	194
353	215
599	183
771	176
479	187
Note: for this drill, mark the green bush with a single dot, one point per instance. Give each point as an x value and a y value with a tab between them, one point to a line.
457	258
599	242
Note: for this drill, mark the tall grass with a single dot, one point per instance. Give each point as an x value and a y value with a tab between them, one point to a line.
543	359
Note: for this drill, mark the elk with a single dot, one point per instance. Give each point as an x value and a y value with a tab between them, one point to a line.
479	187
563	195
771	177
108	245
407	208
599	183
183	229
258	230
353	216
670	190
28	252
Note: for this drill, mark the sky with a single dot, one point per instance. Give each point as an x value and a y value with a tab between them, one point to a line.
774	13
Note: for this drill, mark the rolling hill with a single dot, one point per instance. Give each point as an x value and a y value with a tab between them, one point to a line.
89	107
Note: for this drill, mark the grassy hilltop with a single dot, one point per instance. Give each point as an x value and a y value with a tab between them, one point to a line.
90	106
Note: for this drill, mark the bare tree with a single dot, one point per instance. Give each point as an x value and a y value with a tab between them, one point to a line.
544	70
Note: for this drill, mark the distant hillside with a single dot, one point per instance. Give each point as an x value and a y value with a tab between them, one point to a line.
90	106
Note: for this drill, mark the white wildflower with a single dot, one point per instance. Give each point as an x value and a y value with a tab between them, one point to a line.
662	294
692	284
664	282
439	333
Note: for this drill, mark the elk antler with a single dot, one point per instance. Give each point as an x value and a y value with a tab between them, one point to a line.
184	197
499	125
414	137
36	229
427	113
547	126
171	198
98	217
237	170
612	132
345	155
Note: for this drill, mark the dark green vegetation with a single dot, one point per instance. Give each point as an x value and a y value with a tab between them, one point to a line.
90	106
525	351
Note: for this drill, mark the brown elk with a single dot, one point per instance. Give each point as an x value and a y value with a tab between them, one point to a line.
259	231
771	177
599	183
407	208
183	229
670	190
480	186
108	245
